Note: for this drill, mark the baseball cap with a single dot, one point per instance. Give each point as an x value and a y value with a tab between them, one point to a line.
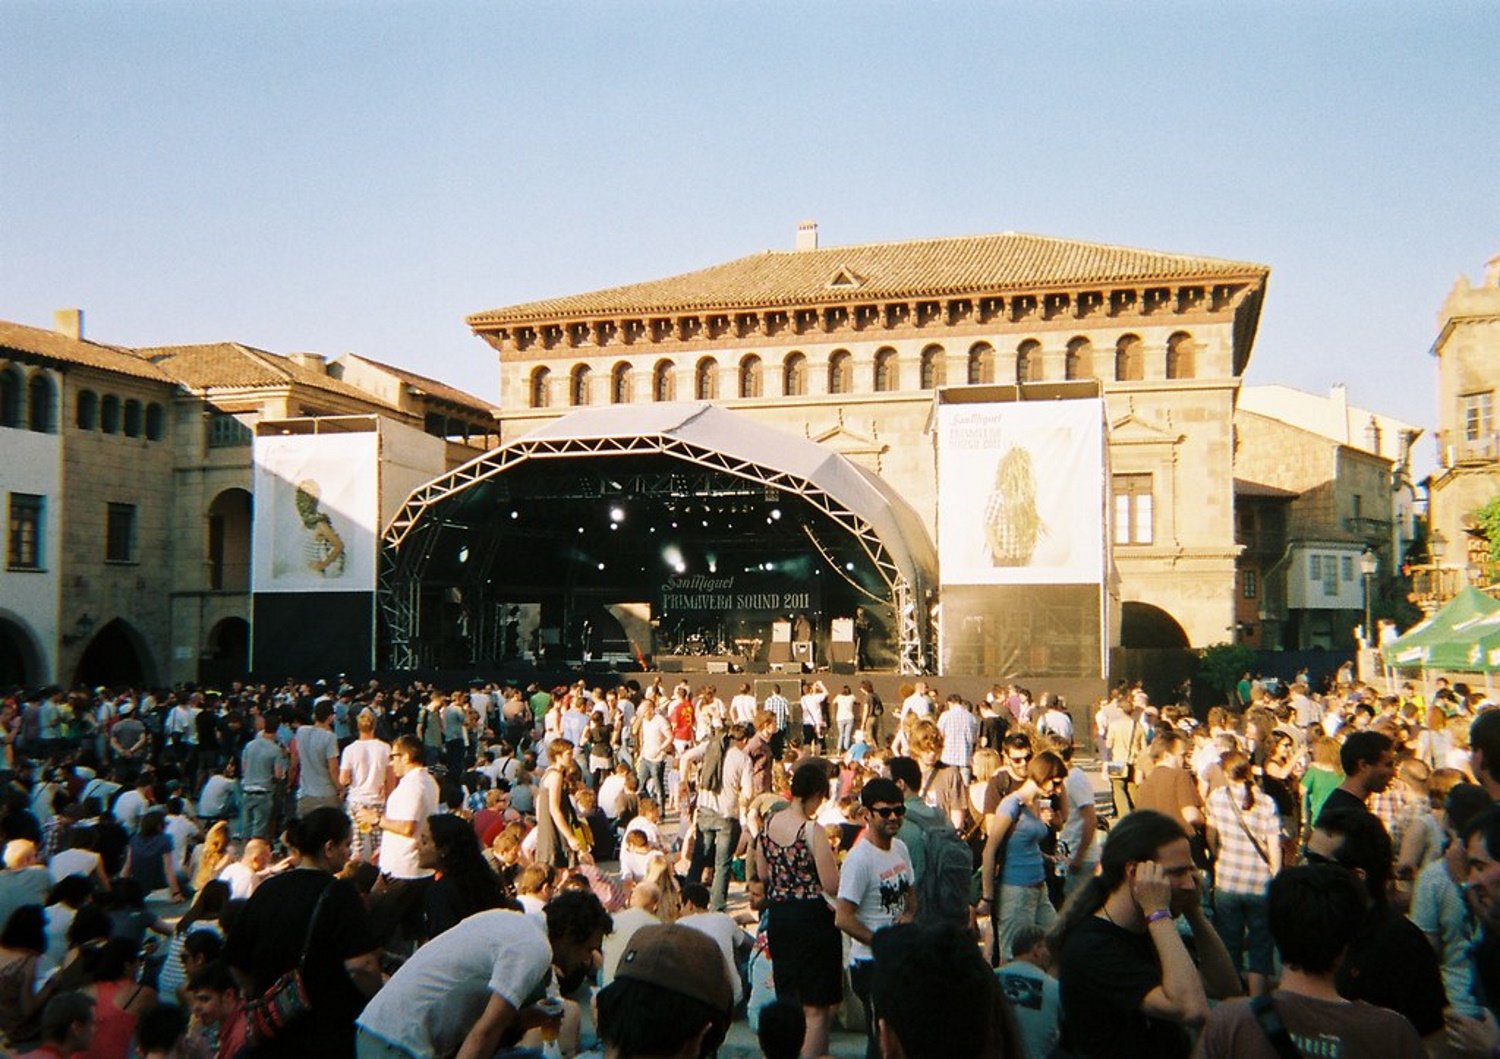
680	960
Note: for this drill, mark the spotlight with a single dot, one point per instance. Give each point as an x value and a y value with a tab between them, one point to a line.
515	514
580	529
614	526
848	566
705	523
601	566
617	514
776	512
463	554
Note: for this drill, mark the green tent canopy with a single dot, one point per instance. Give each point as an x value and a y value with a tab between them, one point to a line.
1451	638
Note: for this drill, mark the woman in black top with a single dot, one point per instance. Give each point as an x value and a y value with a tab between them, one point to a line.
270	934
466	883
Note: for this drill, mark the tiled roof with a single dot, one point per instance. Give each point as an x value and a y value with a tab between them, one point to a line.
41	342
431	387
922	268
232	366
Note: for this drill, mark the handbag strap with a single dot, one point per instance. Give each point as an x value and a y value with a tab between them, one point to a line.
1264	1009
312	922
1240	816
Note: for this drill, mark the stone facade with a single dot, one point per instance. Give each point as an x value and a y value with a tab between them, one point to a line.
1468	435
856	368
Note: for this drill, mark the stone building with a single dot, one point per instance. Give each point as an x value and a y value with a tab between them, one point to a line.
1318	483
847	345
1468	434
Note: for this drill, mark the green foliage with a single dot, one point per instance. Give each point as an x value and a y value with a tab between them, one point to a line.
1223	664
1488	519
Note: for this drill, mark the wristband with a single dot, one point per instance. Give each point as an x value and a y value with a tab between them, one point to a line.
1159	914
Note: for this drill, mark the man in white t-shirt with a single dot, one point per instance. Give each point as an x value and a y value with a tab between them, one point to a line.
406	810
743	706
719	926
132	805
877	887
365	776
245	874
466	990
917	702
656	746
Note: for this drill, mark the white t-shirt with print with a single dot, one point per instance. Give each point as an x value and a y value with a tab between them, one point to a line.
877	882
415	798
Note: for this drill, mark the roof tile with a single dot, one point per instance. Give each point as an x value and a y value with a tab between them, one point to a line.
59	347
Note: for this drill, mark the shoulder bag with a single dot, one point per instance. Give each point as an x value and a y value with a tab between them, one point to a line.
286	999
1240	816
1264	1010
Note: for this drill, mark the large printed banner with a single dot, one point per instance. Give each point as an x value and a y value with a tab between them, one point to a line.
316	513
1021	493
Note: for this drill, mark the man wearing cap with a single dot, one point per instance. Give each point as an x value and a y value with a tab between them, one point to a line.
671	997
470	991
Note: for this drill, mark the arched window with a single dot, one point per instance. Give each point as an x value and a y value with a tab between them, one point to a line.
41	404
706	380
1180	359
752	376
932	373
156	422
663	382
1080	360
10	398
1029	361
619	384
109	414
840	372
578	385
88	410
981	363
886	376
1130	359
541	387
794	375
132	418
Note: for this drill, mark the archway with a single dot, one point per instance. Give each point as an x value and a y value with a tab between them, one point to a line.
229	541
1144	625
227	653
117	656
20	658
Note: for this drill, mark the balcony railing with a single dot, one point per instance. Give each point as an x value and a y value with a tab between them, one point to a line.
1376	528
1483	449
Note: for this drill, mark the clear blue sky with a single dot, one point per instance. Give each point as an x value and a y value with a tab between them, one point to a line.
336	177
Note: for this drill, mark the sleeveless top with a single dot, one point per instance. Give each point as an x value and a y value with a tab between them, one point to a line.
113	1026
794	873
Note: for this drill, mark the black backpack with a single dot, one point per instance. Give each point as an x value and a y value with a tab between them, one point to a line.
711	773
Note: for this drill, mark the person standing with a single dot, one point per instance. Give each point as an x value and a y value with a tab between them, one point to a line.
960	731
315	762
780	709
1244	833
1123	744
365	776
1369	762
877	889
262	767
797	863
1021	881
413	800
656	744
724	789
872	717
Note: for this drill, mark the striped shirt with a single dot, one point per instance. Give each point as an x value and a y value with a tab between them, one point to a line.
778	708
960	728
1240	869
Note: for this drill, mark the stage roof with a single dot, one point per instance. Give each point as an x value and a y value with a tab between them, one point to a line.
743	446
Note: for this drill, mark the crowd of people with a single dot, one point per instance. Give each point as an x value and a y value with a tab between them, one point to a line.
625	870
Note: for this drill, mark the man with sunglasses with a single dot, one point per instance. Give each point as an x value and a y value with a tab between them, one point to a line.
877	888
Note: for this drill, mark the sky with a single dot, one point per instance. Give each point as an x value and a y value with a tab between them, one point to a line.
336	177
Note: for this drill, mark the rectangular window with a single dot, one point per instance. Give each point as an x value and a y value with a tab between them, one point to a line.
1347	565
1330	576
1247	583
1478	414
1133	509
225	431
119	539
1315	567
24	542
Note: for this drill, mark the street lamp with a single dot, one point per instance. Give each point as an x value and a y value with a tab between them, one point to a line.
1369	563
1437	547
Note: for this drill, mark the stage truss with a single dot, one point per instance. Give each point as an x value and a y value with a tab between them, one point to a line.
409	539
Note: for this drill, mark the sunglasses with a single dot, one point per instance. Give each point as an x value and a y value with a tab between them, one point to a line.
889	810
1020	760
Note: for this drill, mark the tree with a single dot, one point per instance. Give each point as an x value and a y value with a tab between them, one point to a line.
1223	664
1487	518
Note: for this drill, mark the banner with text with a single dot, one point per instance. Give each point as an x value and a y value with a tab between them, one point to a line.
763	596
1022	493
316	511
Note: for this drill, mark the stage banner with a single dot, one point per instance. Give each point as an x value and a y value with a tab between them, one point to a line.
1022	490
316	511
761	596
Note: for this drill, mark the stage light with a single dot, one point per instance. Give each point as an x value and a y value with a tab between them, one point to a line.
674	525
705	523
776	512
515	514
601	566
617	514
681	568
848	566
614	526
463	554
580	529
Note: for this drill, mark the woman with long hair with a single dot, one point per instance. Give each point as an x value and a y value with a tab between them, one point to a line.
801	876
202	915
465	884
214	855
119	1000
556	844
1244	832
308	910
22	996
1020	829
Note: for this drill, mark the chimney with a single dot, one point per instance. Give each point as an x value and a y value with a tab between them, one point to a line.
1492	272
68	322
807	235
315	362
